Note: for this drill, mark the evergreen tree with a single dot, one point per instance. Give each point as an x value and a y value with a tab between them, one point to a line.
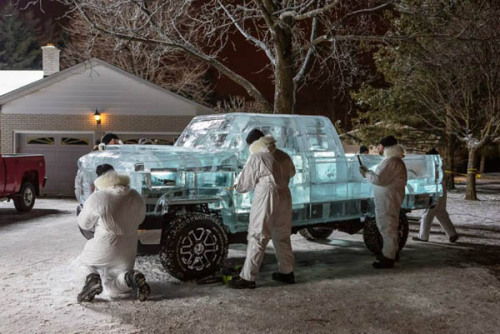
19	49
444	82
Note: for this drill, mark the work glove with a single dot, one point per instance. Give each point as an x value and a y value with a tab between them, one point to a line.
363	170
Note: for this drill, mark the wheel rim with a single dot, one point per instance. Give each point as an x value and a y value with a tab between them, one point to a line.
199	249
28	197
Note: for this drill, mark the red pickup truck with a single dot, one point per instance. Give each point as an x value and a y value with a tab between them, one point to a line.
21	178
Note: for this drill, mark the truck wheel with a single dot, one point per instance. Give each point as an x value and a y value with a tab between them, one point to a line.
26	199
194	246
315	233
373	238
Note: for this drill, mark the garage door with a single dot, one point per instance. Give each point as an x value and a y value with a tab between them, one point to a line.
61	151
156	139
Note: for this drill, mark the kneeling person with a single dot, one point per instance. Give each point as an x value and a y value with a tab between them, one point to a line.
116	211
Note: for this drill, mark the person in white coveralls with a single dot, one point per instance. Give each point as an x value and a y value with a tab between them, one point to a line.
439	211
115	211
267	171
389	182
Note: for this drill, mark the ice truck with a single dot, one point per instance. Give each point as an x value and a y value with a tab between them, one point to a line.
185	186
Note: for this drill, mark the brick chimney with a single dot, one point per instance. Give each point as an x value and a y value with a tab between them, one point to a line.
50	59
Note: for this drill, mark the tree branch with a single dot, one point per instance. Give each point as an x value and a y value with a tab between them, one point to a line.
193	52
316	12
310	51
248	36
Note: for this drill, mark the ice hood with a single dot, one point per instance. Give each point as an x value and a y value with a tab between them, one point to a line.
130	158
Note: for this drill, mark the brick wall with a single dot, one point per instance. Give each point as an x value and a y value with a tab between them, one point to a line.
32	122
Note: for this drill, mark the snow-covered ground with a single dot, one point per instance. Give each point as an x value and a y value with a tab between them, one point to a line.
437	287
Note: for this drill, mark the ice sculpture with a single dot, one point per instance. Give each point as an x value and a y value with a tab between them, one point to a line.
211	151
185	186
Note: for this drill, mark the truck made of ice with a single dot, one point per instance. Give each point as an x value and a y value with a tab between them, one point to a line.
185	186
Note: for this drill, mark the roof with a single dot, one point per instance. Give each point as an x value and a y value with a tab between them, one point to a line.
12	80
250	114
78	69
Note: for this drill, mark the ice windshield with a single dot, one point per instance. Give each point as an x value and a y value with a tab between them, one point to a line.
211	134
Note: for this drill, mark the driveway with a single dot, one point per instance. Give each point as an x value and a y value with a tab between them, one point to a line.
437	287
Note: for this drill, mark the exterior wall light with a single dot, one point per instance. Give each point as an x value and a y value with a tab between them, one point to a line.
97	117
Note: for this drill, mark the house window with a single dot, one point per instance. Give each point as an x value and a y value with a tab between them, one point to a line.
148	141
131	141
40	140
74	141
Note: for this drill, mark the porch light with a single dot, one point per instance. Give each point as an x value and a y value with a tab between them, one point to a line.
97	117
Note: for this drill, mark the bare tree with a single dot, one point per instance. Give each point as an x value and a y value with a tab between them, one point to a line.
471	112
172	71
295	36
459	84
238	104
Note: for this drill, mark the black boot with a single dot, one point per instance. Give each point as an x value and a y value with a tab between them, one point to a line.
91	288
285	278
383	262
240	283
136	280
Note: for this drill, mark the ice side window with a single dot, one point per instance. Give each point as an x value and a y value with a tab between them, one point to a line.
205	134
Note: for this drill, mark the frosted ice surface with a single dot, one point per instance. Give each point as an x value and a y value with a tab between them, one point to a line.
211	151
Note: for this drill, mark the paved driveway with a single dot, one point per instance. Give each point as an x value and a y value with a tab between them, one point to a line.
435	288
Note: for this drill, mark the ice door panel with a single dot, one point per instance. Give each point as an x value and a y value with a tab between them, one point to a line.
424	174
328	178
357	186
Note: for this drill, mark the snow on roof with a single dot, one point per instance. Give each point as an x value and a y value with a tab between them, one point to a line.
11	80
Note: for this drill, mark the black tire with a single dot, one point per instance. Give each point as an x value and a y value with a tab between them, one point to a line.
26	199
373	239
316	233
194	246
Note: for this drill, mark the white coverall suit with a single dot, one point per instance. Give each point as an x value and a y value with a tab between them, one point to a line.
389	182
439	211
116	211
268	171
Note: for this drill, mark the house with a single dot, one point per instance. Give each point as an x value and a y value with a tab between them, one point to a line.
55	115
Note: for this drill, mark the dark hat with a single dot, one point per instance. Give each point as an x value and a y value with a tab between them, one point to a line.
108	137
388	141
254	135
432	151
103	169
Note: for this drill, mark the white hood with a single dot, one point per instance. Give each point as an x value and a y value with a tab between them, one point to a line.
394	151
111	179
266	143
